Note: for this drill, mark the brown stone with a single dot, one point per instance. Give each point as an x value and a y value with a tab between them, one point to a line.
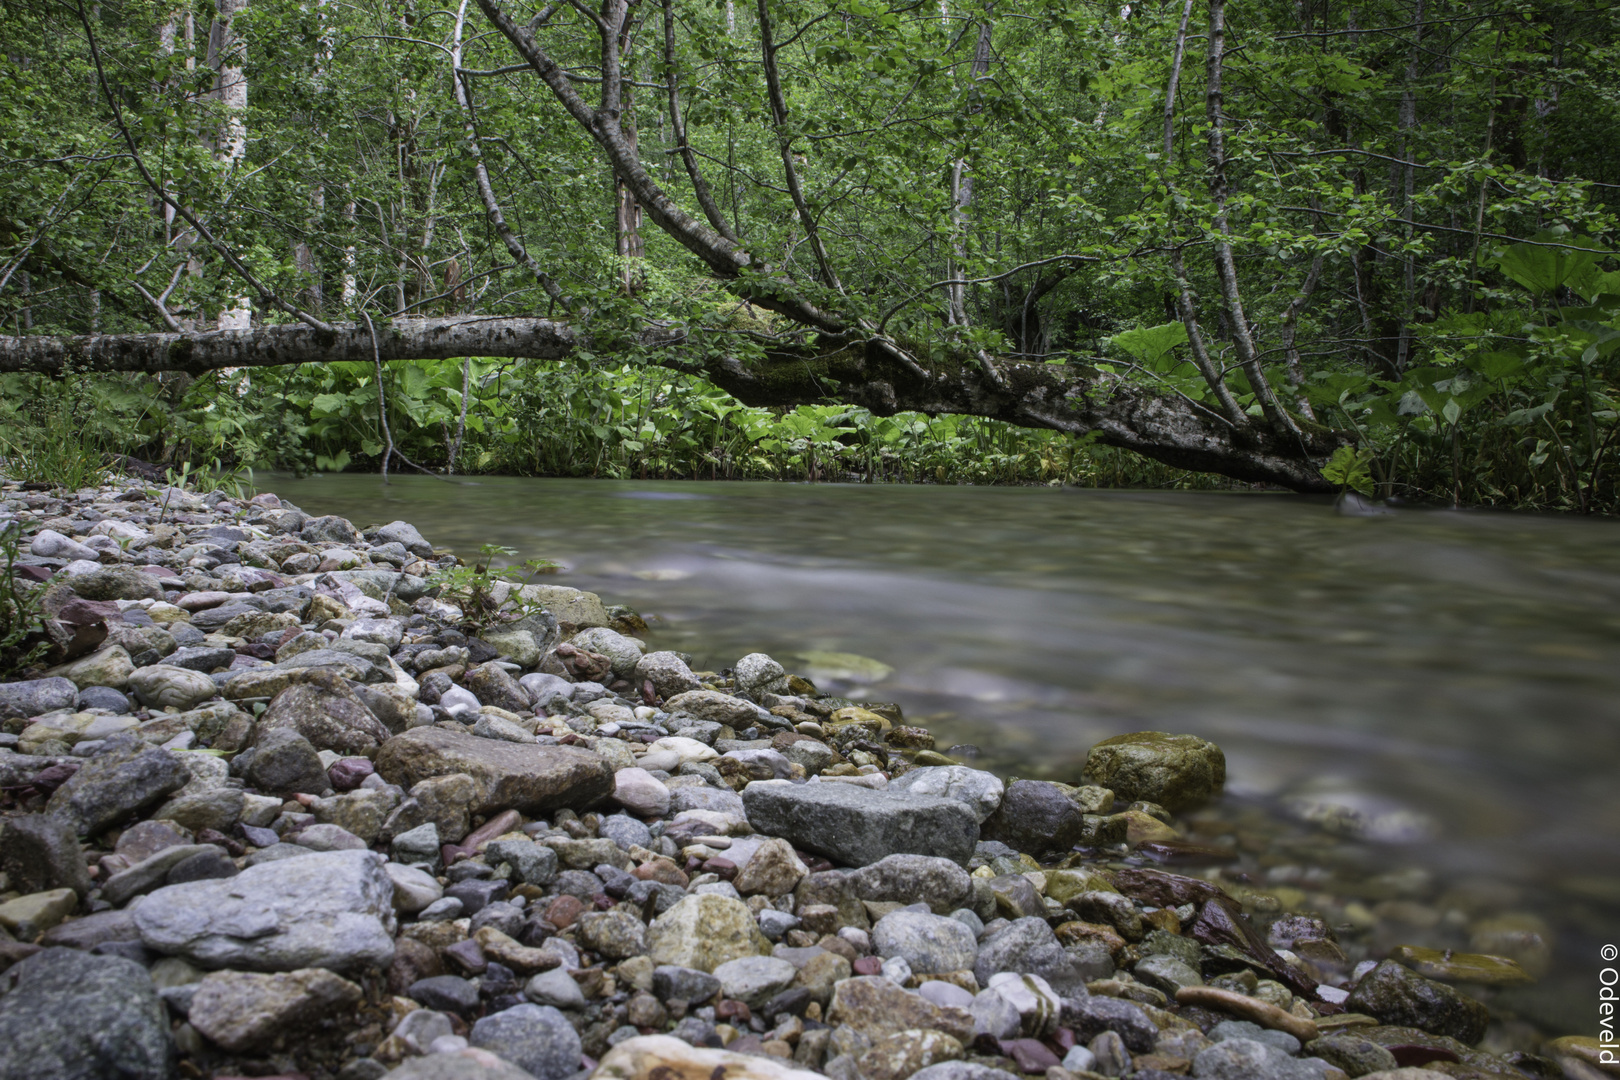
521	776
564	911
661	870
1248	1008
242	1010
1073	933
875	1007
413	961
520	958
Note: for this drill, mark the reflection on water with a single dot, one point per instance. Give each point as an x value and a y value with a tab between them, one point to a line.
1457	670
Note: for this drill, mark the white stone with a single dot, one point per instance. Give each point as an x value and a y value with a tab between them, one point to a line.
556	988
685	749
638	791
414	889
50	544
1039	1007
754	980
458	700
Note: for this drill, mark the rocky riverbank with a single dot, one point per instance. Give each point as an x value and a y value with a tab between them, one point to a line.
278	807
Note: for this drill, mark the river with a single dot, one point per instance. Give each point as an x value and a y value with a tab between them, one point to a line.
1451	678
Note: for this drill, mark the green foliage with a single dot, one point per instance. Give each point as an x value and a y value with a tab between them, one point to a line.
235	480
1554	259
21	632
1348	468
1459	326
1518	406
471	588
1151	344
46	442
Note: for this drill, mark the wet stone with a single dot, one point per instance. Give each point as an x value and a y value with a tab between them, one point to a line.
1035	817
1396	995
1178	772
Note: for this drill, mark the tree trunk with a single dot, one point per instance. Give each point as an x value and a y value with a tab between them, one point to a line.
231	90
962	194
1055	397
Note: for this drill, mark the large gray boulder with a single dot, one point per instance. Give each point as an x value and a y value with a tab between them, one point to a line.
978	789
331	910
1036	817
72	1015
858	826
909	879
506	775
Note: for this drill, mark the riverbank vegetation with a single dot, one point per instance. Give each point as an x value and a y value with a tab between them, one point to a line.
1304	245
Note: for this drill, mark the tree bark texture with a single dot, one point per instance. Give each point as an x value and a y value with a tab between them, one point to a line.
1058	397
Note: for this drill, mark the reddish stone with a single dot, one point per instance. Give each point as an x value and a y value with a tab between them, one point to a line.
501	823
413	961
1159	889
725	868
348	773
661	870
564	911
868	965
1415	1057
1031	1055
732	1012
219	839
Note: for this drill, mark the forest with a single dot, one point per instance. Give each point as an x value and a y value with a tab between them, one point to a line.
1317	245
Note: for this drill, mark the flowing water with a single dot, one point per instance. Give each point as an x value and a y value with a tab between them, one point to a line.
1451	678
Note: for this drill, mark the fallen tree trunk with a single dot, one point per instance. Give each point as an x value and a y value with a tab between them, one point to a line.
1074	400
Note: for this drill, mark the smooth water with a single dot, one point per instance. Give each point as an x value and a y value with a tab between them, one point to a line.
1454	676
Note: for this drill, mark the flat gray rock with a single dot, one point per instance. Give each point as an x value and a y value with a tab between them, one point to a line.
857	826
330	909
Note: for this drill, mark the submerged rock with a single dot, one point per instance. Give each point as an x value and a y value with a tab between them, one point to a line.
1178	772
